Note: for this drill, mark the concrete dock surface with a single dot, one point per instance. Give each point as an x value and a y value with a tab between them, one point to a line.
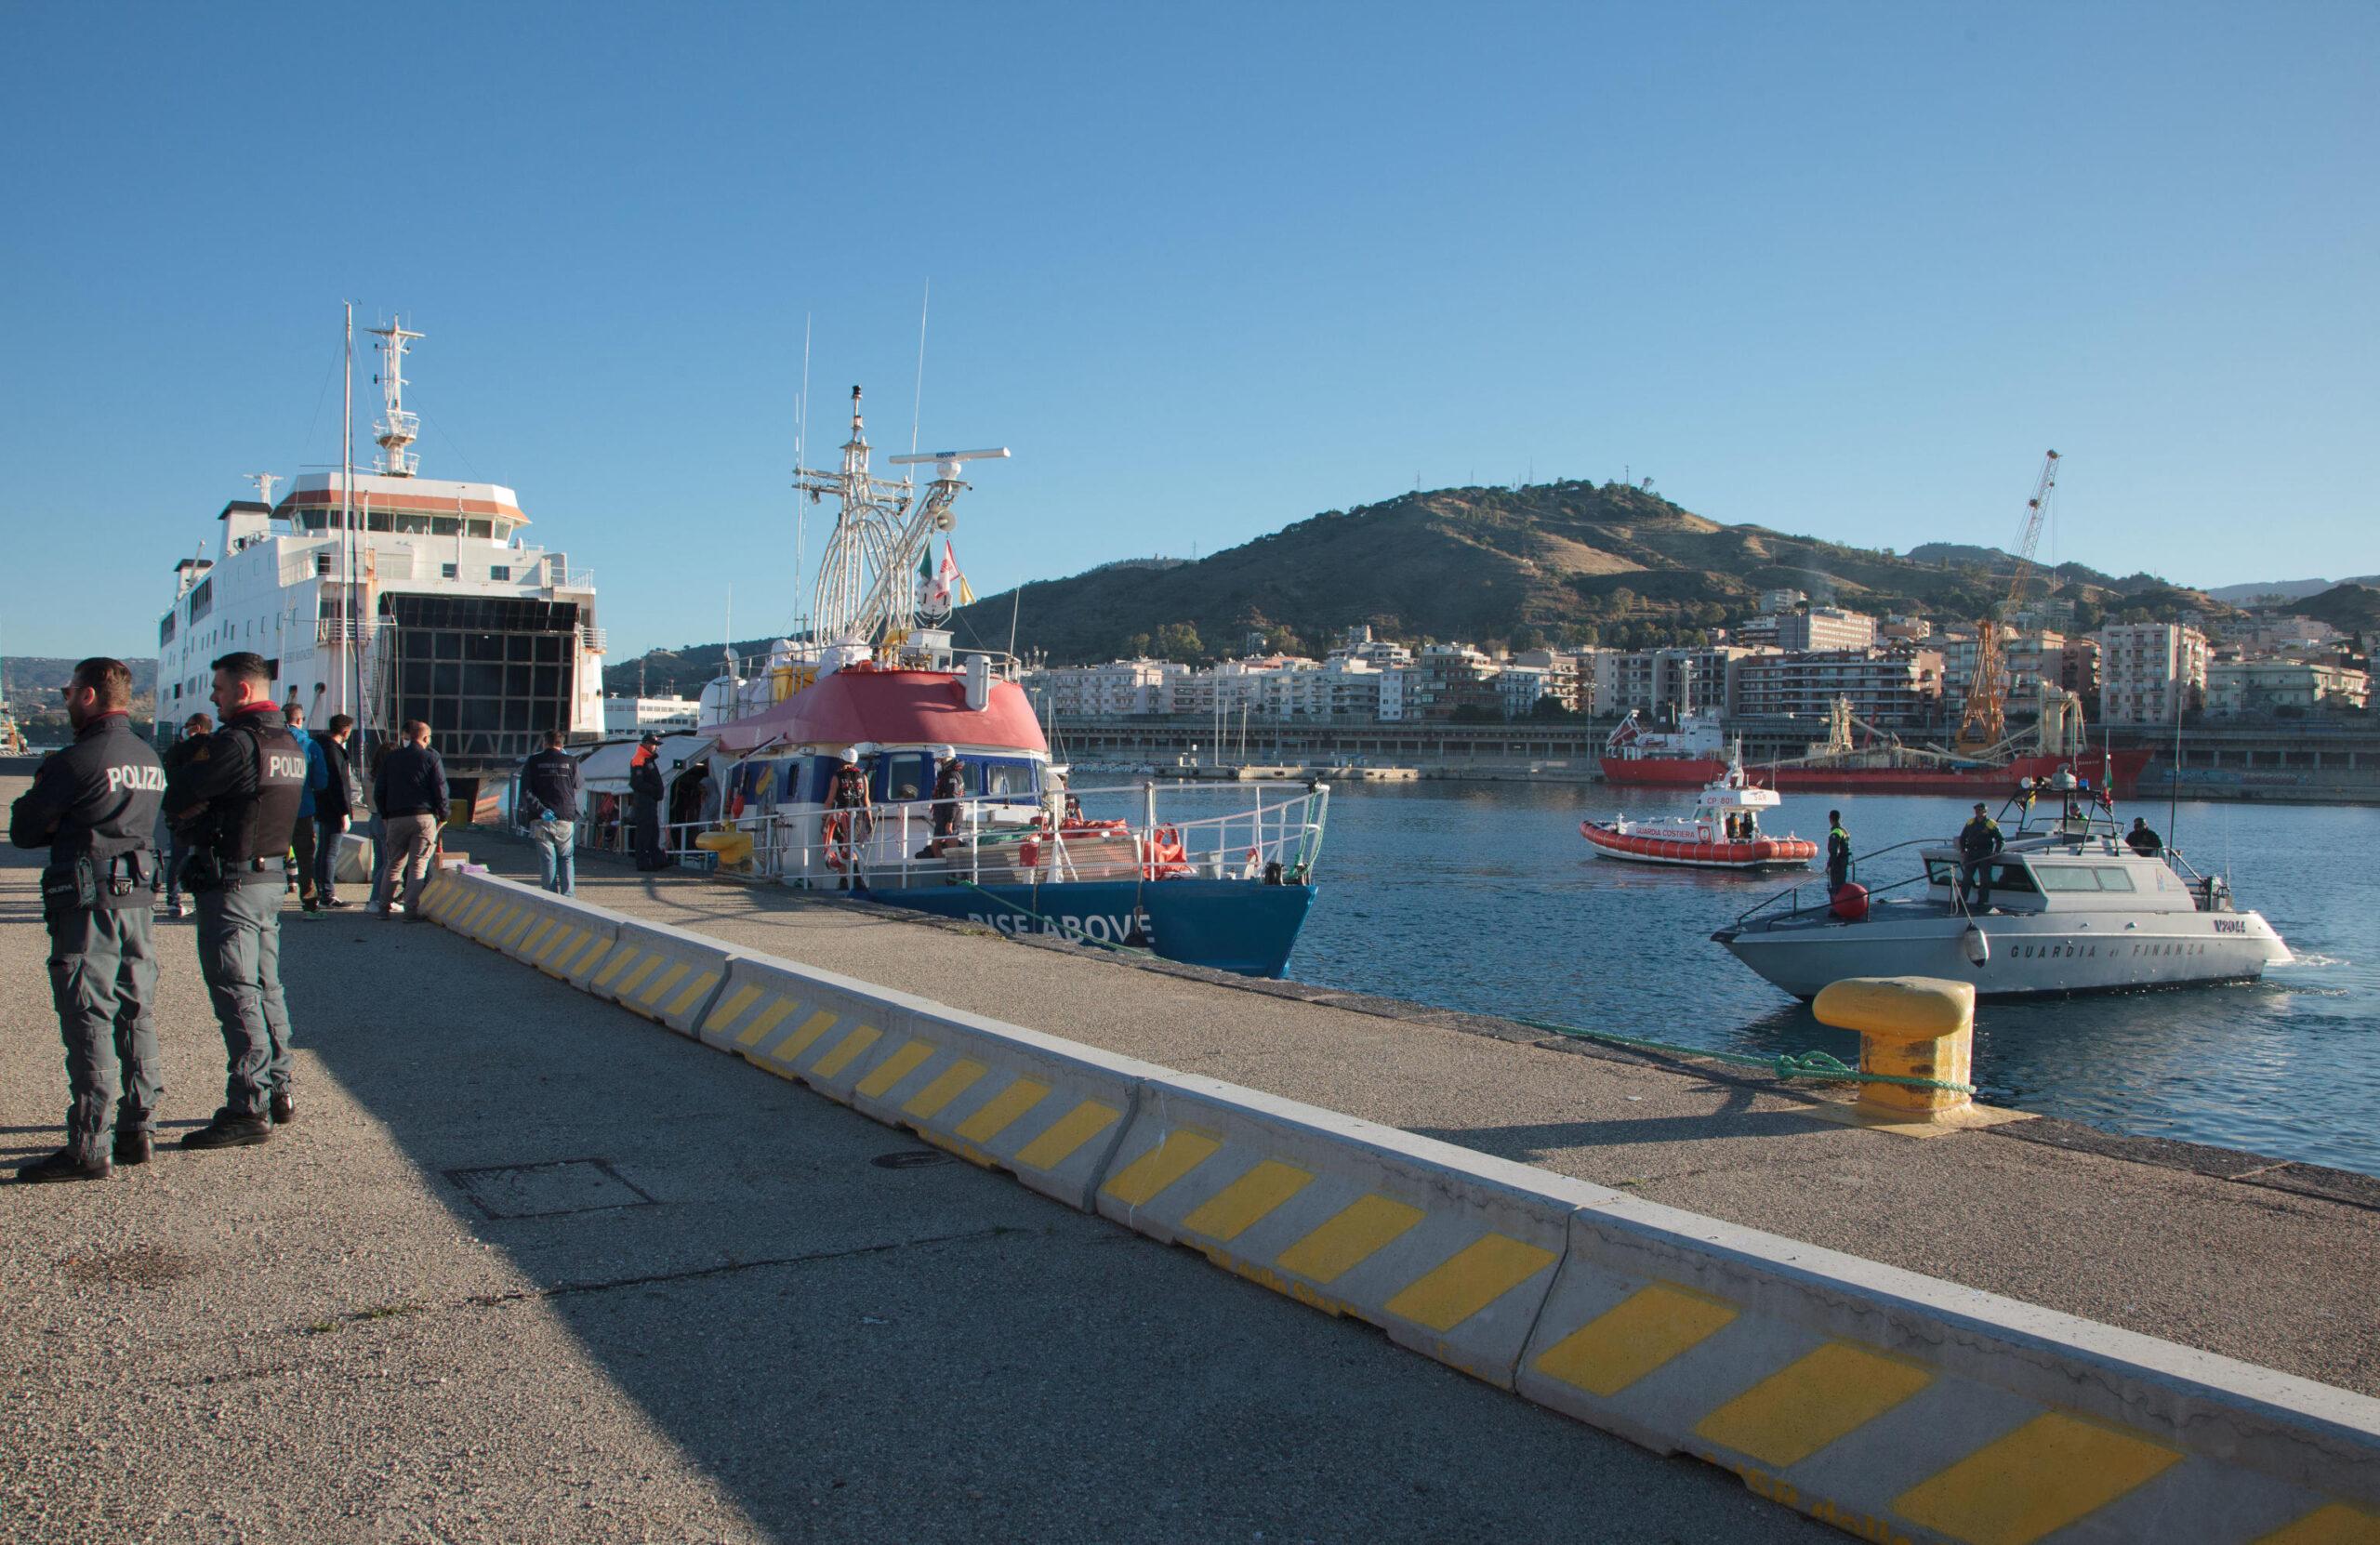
2269	1263
527	1269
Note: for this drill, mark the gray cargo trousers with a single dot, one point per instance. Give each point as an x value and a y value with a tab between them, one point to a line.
103	978
239	953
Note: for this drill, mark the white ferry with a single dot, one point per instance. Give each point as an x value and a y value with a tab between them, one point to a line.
390	595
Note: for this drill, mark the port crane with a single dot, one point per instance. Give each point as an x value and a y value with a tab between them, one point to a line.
1984	724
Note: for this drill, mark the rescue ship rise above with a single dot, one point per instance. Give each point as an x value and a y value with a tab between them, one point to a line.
870	756
389	596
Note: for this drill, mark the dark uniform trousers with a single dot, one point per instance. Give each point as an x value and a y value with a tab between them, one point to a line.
103	978
239	953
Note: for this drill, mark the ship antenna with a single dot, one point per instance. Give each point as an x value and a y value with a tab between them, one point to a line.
264	482
397	429
801	454
917	401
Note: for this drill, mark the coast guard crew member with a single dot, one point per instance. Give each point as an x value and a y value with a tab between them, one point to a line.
1979	842
237	795
1838	852
94	806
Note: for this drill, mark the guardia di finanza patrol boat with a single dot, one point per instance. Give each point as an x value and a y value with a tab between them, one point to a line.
1207	881
389	596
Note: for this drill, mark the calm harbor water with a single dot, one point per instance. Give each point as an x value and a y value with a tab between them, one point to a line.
1483	896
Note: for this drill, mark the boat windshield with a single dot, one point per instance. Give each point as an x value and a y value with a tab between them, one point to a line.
2084	876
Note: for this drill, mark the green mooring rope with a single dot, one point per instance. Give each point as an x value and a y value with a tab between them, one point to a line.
1057	924
1785	1064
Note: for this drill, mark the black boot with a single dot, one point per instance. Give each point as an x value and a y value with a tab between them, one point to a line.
281	1108
132	1147
230	1130
62	1166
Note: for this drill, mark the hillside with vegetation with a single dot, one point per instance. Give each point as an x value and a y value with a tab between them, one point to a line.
1559	563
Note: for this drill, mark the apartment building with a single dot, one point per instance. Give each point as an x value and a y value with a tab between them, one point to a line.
2256	687
1675	680
2150	672
1118	687
1896	688
1824	628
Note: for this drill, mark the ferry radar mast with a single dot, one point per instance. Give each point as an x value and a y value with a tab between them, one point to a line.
867	575
397	429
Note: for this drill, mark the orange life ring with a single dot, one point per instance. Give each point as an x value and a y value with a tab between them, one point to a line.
1164	853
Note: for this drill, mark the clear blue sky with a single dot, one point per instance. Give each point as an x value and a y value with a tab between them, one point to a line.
1844	270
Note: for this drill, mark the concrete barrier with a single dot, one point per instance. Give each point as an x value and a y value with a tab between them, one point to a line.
1901	1407
1897	1407
1449	1252
1047	1110
666	974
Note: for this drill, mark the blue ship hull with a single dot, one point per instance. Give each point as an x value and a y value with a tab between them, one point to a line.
1232	925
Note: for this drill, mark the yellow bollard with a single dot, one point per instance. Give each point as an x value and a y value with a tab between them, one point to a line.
1909	1027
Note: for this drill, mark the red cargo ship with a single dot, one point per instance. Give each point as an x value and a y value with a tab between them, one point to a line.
1694	754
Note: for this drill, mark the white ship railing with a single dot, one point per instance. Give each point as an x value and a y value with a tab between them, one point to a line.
1275	839
336	630
592	638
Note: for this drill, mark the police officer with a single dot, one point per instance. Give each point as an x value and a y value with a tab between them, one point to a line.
1838	852
1979	841
237	797
2143	841
644	801
94	806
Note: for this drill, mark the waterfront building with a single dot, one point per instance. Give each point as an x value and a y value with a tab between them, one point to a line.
1520	687
1120	687
2078	668
1396	688
1448	677
1824	628
1894	689
1755	632
1658	682
1776	603
1338	688
2236	687
633	716
1899	629
2150	672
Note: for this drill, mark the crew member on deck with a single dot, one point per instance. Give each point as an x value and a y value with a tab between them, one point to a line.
1979	842
1838	852
94	806
949	789
850	818
2147	843
237	798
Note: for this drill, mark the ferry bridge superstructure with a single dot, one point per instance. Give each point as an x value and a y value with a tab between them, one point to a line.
390	595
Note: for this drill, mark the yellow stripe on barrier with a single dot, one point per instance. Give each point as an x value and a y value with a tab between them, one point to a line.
497	924
620	958
1470	1280
1002	1110
2334	1525
801	1040
1632	1338
1184	1149
693	993
629	983
955	1080
1806	1405
545	926
661	983
1241	1205
1349	1239
2039	1478
527	916
732	1005
472	913
895	1068
566	938
769	1019
1069	1132
846	1051
590	949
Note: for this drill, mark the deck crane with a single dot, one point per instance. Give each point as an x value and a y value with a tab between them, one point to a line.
1984	723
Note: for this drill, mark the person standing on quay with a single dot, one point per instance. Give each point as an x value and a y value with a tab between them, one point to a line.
237	801
548	808
196	729
645	791
327	775
301	835
94	806
411	793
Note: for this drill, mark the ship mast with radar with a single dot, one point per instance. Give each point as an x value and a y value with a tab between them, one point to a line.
397	429
866	590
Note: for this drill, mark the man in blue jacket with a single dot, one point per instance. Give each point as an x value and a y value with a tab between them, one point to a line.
548	807
301	835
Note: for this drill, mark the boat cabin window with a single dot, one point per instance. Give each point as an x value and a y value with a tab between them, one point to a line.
2014	877
902	777
2078	877
1941	871
1001	777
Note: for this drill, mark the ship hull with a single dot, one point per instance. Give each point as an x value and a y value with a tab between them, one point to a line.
1232	925
1694	771
1767	852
